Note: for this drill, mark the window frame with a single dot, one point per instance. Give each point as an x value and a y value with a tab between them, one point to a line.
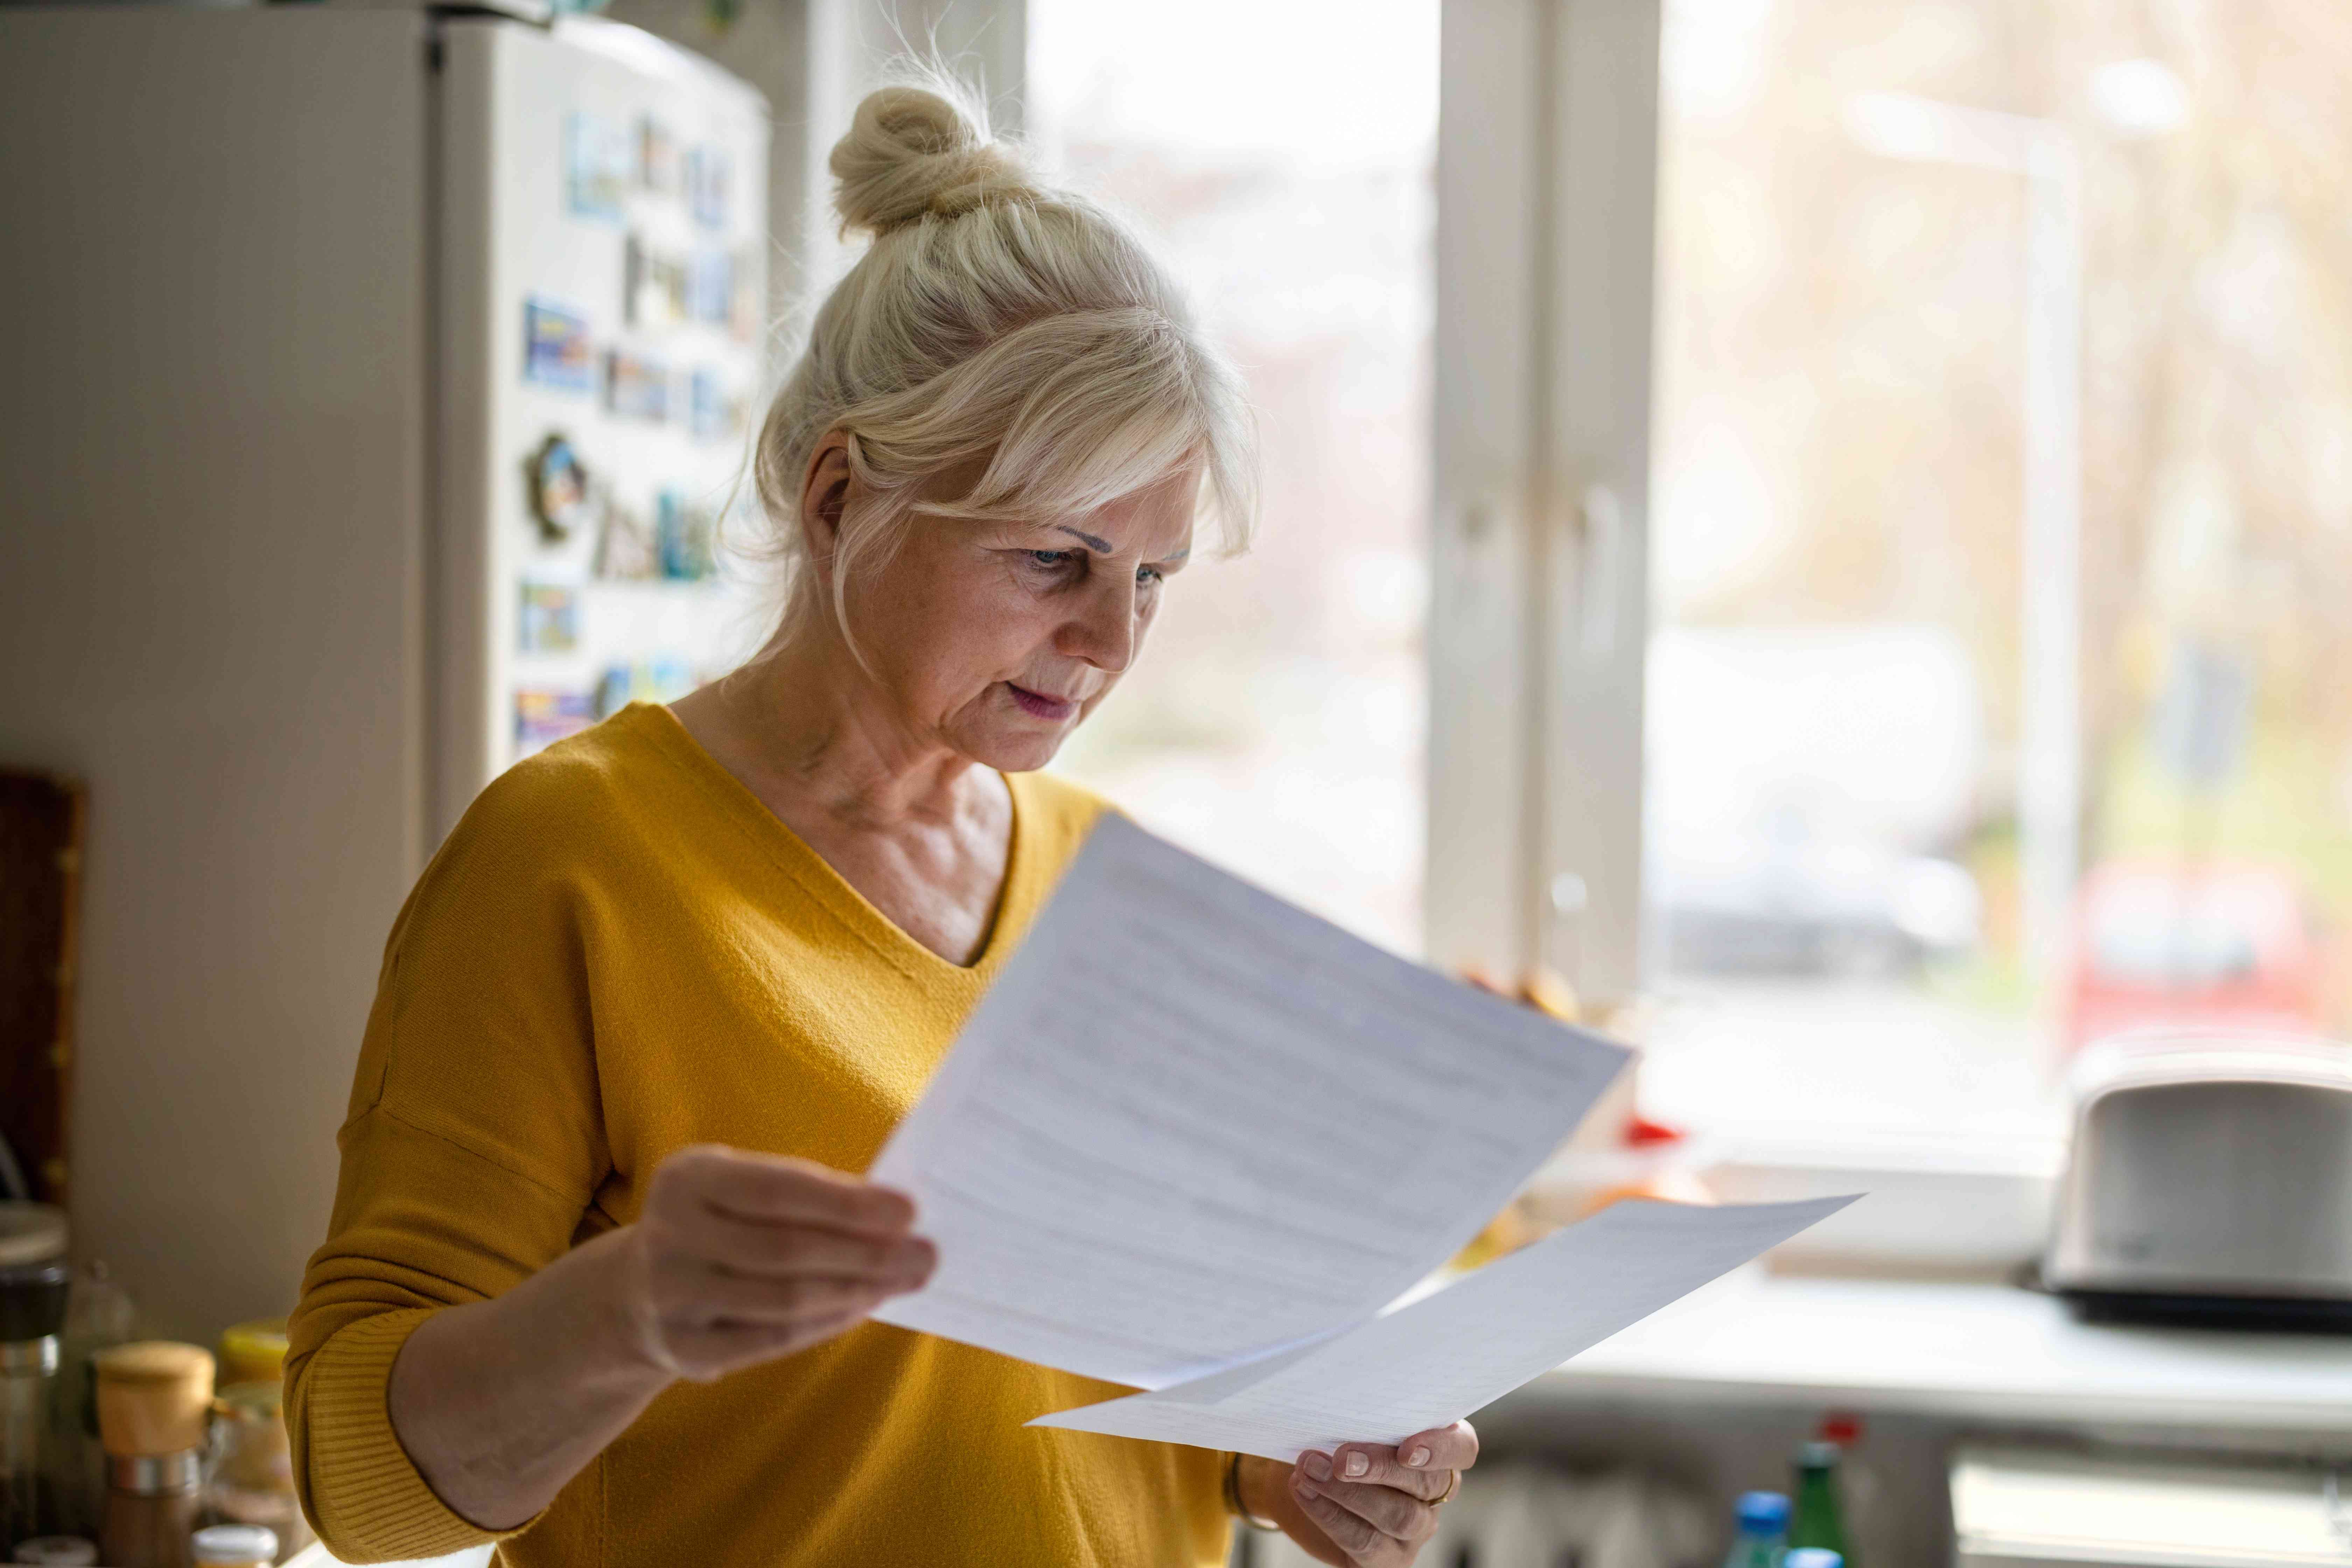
1547	258
1547	182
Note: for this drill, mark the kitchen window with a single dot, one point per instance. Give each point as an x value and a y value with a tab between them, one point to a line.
1276	724
1911	655
1859	493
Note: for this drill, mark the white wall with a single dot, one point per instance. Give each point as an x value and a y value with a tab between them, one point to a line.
212	458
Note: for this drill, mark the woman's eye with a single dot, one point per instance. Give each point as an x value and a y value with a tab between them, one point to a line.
1148	575
1050	560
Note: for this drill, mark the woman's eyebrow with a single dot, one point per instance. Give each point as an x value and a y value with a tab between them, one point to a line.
1104	547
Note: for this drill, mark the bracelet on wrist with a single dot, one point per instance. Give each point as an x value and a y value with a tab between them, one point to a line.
1234	1503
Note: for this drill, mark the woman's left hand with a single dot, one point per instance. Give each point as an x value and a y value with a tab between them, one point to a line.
1364	1505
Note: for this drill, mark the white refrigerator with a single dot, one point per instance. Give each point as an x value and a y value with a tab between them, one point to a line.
376	387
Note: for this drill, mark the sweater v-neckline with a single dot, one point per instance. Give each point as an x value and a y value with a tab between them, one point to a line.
817	876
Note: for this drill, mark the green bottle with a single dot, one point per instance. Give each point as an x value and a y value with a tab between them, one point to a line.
1817	1520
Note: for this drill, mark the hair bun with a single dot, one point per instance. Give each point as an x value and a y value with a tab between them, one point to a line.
915	149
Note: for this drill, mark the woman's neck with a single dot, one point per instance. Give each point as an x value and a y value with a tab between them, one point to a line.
813	725
924	835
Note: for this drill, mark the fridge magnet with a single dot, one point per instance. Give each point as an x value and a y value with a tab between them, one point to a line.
555	349
687	536
655	288
667	677
545	716
626	550
657	157
635	387
710	287
744	310
664	677
707	171
556	487
615	689
550	622
712	413
598	167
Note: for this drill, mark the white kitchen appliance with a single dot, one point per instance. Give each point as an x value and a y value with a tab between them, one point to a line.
376	382
2210	1182
2041	1507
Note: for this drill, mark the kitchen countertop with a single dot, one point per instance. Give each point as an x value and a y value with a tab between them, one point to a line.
1985	1353
1977	1350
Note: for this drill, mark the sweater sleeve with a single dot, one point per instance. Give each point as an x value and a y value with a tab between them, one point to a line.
472	1152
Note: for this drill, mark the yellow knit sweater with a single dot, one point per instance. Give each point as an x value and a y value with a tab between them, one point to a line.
620	952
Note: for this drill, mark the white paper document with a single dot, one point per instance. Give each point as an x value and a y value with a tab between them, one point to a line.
1451	1352
1191	1125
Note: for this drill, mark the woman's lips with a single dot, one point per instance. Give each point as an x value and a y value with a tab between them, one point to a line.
1038	705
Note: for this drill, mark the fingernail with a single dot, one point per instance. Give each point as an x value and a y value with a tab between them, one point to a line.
1417	1458
1300	1484
1358	1464
1316	1465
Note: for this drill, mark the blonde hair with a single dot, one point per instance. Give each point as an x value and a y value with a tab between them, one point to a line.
990	320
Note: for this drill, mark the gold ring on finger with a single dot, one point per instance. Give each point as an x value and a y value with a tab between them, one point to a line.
1452	1486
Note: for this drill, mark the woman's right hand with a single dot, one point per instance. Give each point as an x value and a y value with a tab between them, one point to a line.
737	1259
742	1257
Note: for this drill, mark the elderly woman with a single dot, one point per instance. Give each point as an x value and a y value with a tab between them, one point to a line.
599	1275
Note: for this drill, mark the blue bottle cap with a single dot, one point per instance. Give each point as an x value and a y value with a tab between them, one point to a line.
1813	1557
1763	1512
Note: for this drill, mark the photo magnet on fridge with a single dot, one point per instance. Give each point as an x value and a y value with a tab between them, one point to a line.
653	287
746	307
686	536
555	348
635	387
707	171
556	487
657	157
664	677
710	287
544	717
599	166
550	621
626	550
711	413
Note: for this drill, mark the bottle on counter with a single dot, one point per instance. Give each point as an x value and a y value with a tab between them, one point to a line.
100	1315
253	1463
1763	1521
233	1546
1865	1504
1812	1557
253	1352
1818	1521
154	1411
33	1280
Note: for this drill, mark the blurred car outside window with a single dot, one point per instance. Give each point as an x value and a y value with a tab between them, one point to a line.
1935	279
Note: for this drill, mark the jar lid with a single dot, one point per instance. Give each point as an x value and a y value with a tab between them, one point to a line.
152	1361
259	1343
31	1233
234	1543
57	1550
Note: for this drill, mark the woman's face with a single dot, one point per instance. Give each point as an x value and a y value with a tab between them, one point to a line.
998	640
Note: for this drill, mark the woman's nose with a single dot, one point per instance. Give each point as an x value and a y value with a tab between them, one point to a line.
1104	632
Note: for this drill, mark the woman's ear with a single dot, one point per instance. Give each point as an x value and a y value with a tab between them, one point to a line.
823	489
